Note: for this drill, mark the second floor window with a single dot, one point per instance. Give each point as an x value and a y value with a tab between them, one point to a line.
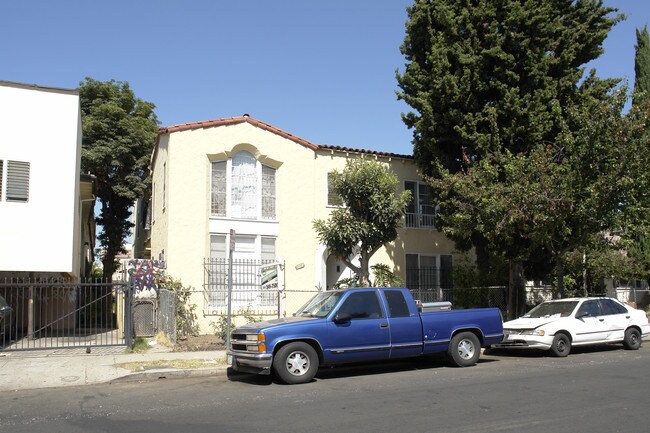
420	211
243	188
333	199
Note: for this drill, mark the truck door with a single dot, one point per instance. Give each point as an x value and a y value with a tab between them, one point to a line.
365	336
405	326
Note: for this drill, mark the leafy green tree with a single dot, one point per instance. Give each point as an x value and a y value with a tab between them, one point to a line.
642	68
119	130
370	217
501	123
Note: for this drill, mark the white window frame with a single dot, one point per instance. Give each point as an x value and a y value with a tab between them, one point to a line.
246	292
437	263
419	214
265	195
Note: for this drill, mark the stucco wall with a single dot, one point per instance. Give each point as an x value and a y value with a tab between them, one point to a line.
182	229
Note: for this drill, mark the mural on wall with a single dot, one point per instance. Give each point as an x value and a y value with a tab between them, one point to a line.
143	274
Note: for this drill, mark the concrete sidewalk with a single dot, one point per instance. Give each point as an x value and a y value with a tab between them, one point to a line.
70	367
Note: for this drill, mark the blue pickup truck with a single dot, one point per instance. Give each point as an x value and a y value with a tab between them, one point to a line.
360	325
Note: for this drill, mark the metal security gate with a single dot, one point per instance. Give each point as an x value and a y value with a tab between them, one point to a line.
62	314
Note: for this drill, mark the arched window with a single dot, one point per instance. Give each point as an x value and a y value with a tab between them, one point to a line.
243	188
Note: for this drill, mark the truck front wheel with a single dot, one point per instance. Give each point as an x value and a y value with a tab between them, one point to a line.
464	349
296	363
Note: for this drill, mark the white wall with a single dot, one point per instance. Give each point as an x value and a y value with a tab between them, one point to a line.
43	127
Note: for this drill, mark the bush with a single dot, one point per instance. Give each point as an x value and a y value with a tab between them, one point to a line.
220	328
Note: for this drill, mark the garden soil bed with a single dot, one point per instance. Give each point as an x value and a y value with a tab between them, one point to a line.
199	343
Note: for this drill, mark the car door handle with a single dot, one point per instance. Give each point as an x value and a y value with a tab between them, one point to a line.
384	325
601	320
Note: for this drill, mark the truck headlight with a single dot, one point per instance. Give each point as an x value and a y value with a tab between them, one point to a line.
261	343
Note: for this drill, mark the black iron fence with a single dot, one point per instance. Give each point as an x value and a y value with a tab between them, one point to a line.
46	314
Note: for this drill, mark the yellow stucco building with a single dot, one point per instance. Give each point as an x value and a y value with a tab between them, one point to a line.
238	184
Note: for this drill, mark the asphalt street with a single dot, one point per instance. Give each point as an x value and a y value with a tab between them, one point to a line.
603	390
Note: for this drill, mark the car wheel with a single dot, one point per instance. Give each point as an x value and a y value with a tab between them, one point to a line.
561	346
632	339
296	363
464	349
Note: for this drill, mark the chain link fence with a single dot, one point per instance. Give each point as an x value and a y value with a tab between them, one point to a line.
166	314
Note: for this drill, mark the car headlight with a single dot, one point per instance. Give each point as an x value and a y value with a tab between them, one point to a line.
538	332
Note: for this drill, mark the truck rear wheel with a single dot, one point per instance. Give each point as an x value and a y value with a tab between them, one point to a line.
296	363
464	349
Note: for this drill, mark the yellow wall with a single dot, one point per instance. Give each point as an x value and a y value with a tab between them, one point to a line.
182	229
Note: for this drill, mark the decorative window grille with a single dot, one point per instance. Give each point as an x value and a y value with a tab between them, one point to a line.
219	189
251	254
268	193
217	272
17	181
333	199
269	296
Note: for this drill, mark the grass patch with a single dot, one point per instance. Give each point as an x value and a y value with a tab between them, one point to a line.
162	339
172	363
140	345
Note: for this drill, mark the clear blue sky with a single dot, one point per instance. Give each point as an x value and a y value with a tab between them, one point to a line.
322	70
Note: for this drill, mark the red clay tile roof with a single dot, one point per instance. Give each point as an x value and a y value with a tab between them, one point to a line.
246	118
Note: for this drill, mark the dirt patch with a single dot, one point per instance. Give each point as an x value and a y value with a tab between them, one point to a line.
199	343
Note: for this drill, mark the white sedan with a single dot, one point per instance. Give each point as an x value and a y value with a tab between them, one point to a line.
560	324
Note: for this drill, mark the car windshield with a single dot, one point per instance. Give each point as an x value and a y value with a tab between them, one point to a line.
550	309
320	305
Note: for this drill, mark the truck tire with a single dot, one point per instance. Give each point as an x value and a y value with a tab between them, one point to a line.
296	363
632	339
464	349
561	345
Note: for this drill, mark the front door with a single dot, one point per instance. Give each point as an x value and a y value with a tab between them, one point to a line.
590	323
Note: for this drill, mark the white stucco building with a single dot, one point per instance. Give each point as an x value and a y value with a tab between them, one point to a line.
46	209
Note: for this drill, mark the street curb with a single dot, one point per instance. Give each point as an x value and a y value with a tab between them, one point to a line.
170	373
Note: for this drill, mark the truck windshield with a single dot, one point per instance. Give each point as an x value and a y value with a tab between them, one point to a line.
320	305
556	308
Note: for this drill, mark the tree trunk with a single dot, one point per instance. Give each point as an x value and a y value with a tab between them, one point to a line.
364	269
515	290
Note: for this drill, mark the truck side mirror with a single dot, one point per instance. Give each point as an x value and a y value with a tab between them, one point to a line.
342	318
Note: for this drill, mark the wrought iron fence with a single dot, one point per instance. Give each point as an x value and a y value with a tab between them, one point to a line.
248	290
59	313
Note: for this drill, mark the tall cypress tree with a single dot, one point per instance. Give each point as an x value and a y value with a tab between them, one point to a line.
505	123
484	76
642	68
